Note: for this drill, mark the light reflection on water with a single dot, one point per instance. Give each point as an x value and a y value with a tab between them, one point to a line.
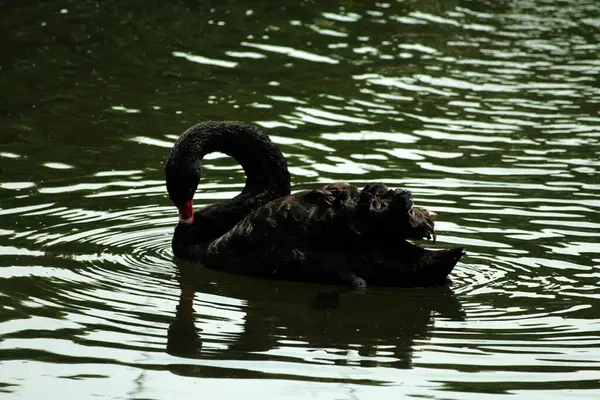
487	112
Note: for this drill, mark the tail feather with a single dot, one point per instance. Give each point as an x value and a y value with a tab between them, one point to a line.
435	266
408	266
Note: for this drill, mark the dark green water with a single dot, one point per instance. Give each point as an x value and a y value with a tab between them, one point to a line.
487	110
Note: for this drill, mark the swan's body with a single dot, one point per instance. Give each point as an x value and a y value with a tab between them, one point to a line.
333	234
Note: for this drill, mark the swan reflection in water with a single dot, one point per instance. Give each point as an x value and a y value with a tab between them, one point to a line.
339	326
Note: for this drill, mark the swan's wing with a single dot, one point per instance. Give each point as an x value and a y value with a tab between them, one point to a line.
334	233
337	217
386	209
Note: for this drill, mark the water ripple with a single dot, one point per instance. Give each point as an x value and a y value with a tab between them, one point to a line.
487	112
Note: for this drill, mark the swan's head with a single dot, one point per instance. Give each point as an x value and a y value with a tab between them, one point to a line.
182	182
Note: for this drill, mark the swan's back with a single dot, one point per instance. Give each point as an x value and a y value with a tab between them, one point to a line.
332	234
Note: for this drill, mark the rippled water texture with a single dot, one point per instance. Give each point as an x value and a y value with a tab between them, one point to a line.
487	111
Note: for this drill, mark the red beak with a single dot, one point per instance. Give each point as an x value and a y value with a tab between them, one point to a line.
186	213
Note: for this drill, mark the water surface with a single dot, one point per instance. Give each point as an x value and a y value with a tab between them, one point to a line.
487	111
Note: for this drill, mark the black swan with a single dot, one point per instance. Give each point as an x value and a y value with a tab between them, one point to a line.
335	234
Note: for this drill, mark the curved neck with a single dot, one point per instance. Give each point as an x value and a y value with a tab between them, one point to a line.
264	164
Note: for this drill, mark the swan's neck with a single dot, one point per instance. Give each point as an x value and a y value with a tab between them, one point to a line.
267	176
